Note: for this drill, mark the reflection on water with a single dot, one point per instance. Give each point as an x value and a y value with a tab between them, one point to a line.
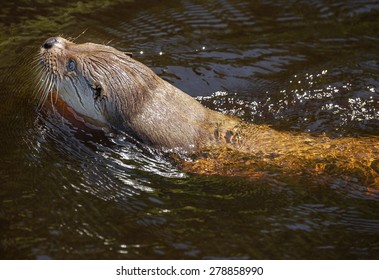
76	191
309	103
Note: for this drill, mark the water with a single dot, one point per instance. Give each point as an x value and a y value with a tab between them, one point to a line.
73	192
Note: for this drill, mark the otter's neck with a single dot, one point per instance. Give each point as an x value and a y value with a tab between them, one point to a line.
170	118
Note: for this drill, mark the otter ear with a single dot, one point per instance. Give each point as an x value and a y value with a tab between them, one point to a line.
128	54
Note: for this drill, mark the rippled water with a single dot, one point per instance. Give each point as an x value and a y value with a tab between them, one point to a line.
70	191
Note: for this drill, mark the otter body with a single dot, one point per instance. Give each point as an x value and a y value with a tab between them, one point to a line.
110	87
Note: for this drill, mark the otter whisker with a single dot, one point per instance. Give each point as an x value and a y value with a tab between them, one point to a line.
37	67
41	91
56	92
42	99
36	62
77	37
48	86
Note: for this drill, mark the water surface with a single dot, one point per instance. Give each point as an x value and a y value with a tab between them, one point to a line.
70	192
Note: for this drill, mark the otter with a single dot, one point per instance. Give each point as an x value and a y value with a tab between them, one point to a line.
111	88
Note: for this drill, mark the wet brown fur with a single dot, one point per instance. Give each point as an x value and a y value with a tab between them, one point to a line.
131	97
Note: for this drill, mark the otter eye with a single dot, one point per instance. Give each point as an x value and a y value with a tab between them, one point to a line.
71	65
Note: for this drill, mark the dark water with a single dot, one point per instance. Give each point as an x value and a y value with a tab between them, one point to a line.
73	193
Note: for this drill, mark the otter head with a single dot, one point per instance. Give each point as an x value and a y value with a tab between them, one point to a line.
97	81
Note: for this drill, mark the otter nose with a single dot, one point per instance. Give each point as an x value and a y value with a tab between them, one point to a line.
49	43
